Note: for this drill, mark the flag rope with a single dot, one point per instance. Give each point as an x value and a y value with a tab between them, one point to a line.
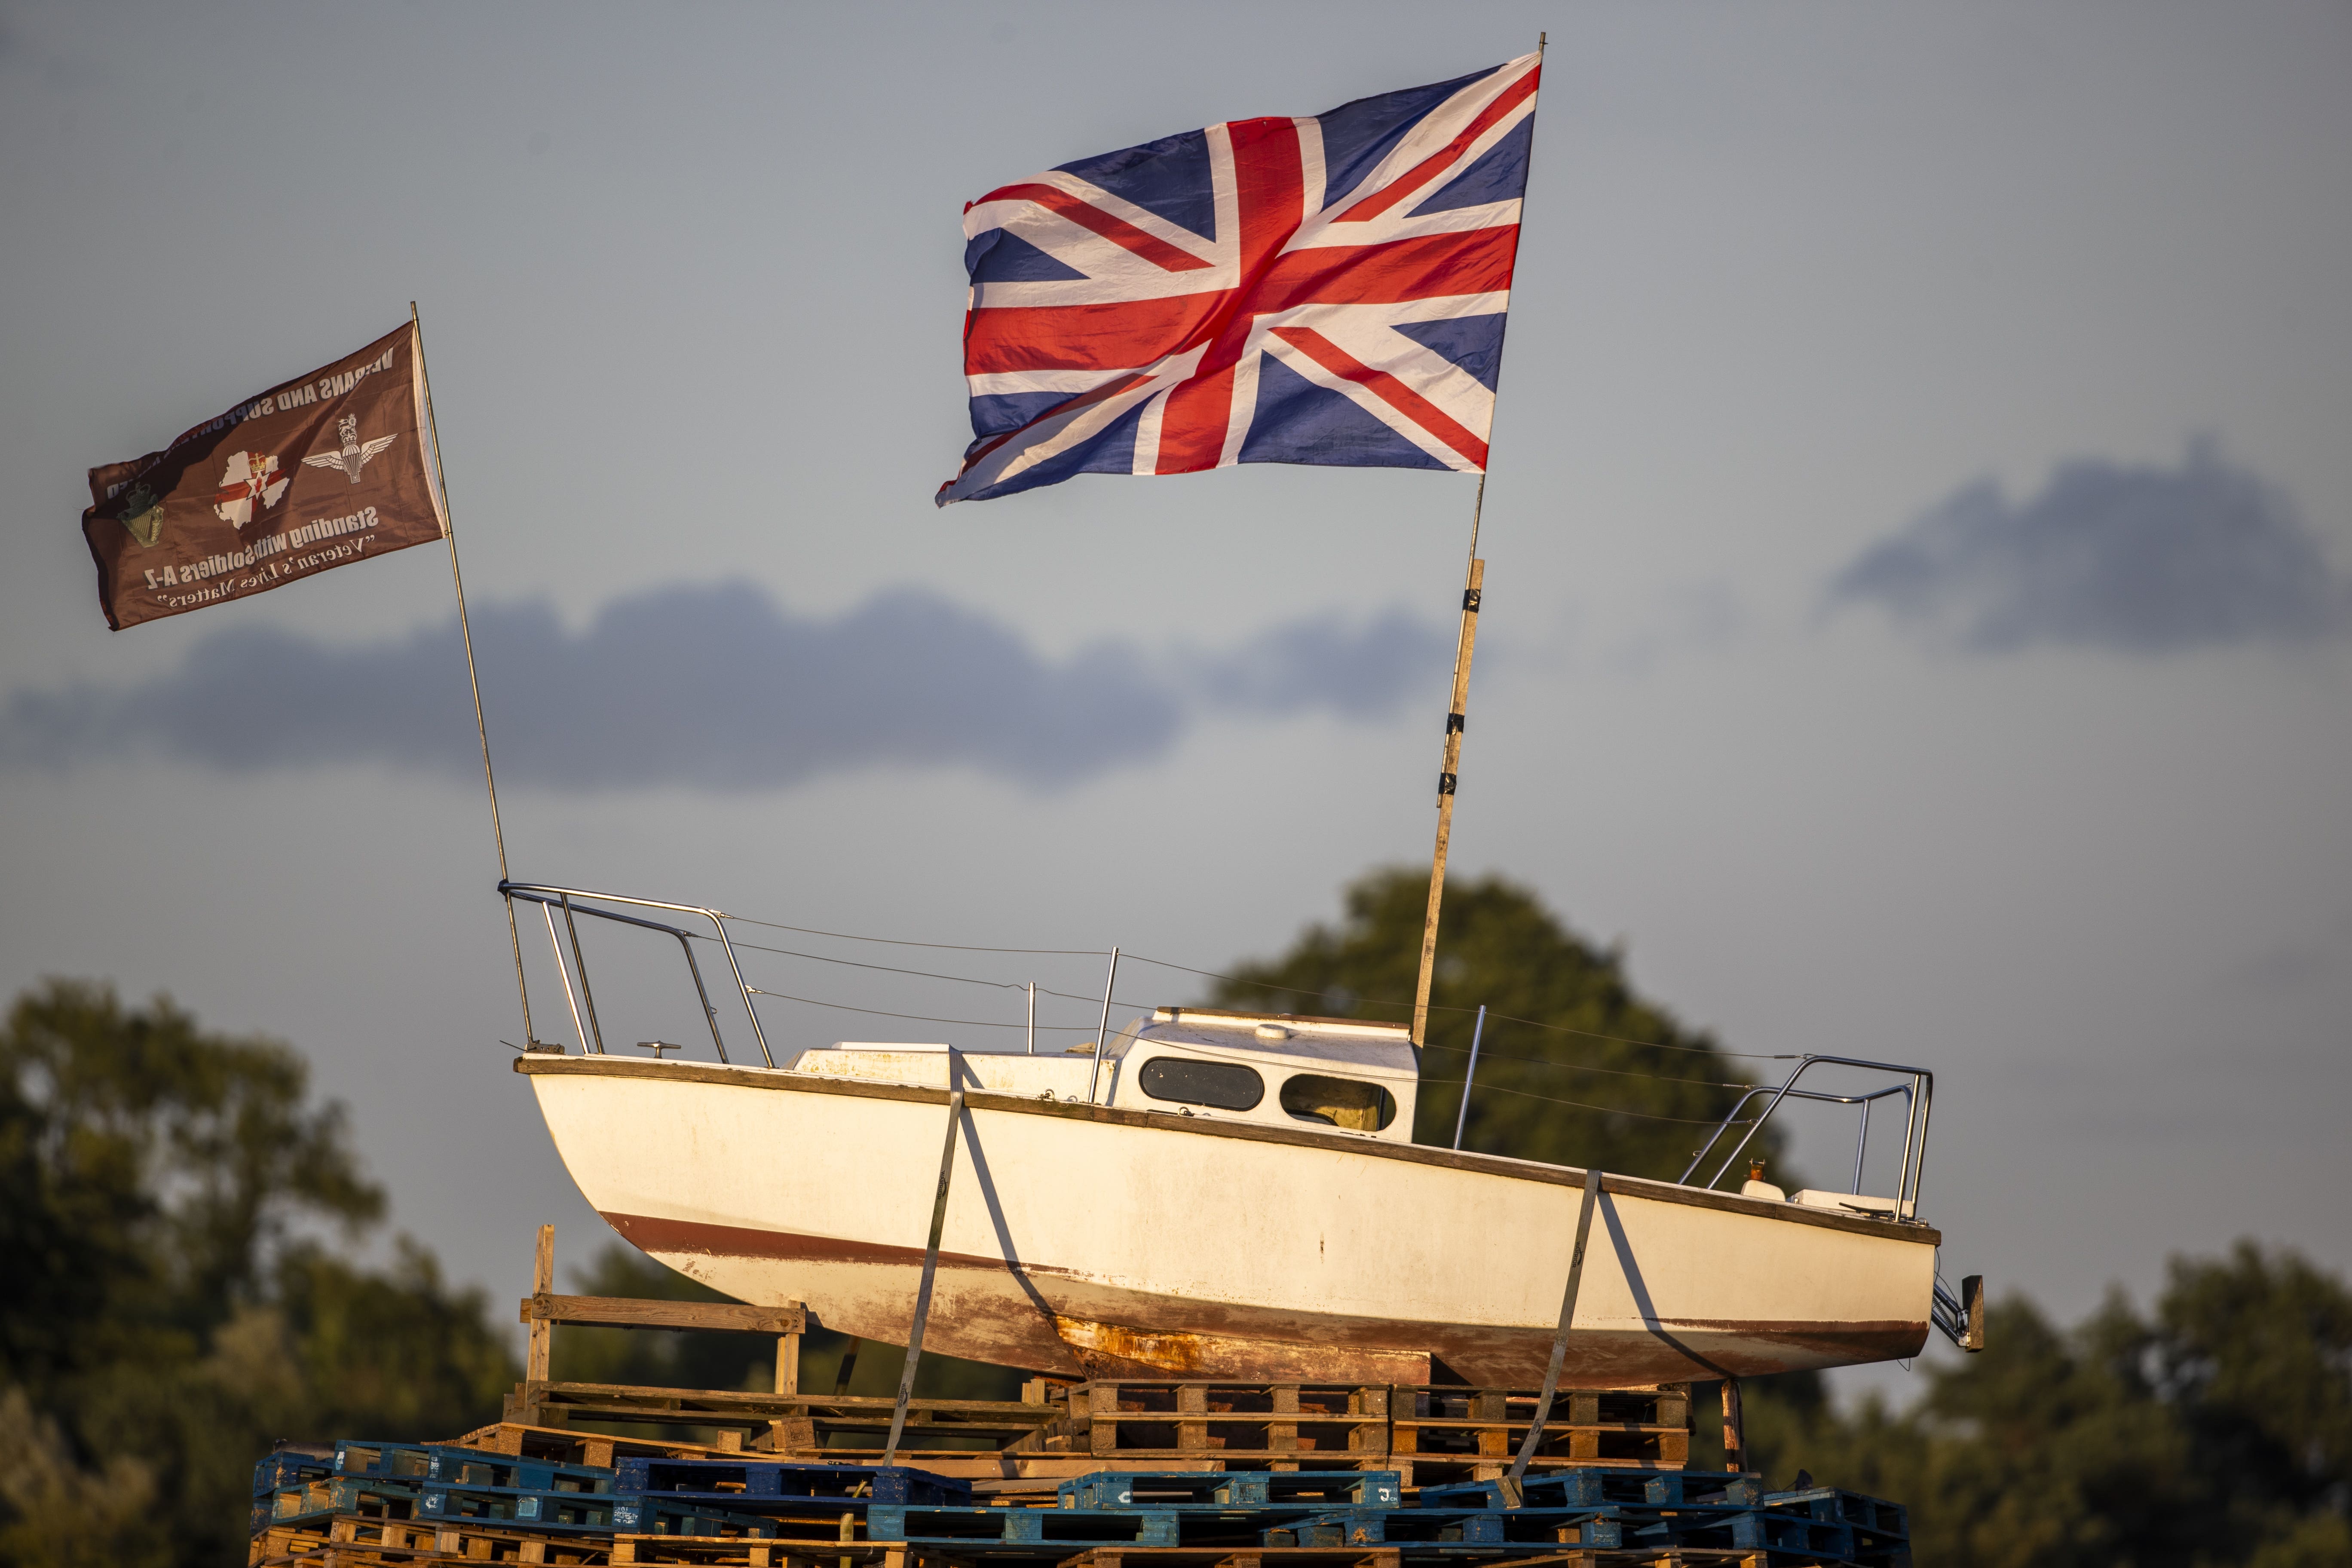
466	629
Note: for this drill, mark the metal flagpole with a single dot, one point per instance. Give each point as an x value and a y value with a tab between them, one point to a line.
1457	715
482	729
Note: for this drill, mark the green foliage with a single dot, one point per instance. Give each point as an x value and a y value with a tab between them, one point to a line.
172	1310
147	1173
1593	1087
2215	1432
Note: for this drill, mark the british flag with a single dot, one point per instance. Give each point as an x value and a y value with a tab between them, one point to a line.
1320	290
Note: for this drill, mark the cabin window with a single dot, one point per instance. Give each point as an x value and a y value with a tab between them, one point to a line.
1224	1085
1339	1102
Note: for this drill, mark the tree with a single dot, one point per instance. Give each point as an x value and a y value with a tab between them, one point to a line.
171	1310
148	1172
1574	1067
2214	1432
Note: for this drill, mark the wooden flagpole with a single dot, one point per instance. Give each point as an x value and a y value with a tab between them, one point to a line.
481	729
1466	644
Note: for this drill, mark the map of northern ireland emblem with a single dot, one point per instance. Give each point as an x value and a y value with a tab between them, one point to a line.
247	479
354	453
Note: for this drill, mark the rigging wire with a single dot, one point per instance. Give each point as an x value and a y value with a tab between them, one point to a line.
1493	1056
1609	1109
1491	1088
1212	974
1070	1028
1065	1028
1188	969
946	946
887	968
1436	1007
917	1018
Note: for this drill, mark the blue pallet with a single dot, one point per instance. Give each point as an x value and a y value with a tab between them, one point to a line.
746	1483
1061	1528
1309	1490
1595	1486
320	1496
1771	1530
582	1513
1468	1527
288	1467
1869	1516
467	1467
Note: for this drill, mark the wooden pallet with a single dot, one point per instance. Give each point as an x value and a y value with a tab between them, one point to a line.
352	1541
1432	1435
1428	1435
566	1446
1124	1423
713	1551
804	1425
1440	1435
1404	1557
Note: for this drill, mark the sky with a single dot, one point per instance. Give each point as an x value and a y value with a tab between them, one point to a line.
1917	612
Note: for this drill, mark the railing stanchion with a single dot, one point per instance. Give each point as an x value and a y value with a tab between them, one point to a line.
758	1033
587	992
709	1014
556	943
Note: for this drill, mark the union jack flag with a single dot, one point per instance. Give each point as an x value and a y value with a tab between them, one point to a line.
1320	291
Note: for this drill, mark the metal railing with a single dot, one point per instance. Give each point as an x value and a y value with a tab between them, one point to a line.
1918	1094
551	898
1959	1317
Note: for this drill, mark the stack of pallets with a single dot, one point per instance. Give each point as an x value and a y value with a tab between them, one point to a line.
391	1505
1427	1434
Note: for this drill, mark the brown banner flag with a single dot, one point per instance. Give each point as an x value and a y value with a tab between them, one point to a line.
310	475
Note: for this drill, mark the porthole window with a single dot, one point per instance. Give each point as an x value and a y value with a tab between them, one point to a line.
1227	1086
1339	1102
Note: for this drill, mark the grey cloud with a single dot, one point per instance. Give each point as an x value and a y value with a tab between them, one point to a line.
1362	672
712	687
2136	560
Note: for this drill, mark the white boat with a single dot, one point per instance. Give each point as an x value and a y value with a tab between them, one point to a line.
1220	1195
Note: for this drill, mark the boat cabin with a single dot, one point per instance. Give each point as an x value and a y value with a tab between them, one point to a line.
1341	1075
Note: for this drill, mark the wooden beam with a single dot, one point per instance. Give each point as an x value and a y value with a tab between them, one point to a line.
624	1312
543	1333
788	1355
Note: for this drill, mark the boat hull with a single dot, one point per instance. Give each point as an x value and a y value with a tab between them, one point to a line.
1088	1240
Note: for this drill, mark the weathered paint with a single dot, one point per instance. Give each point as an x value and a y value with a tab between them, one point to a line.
1080	1234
